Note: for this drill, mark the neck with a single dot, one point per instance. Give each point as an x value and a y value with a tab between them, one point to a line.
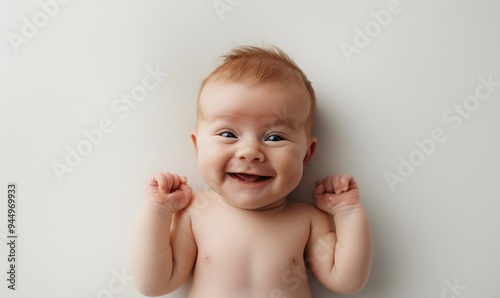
277	206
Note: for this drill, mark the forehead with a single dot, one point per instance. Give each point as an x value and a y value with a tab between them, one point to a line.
274	102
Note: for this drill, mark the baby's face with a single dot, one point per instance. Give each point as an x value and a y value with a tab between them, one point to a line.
251	143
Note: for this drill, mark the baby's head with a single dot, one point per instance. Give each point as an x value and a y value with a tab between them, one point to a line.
256	66
253	132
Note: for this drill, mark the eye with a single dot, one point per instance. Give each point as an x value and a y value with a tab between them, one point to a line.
227	134
274	138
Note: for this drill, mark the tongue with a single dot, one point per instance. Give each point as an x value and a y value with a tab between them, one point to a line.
247	177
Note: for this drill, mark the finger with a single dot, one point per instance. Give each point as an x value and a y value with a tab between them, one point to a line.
318	182
181	197
159	180
345	181
169	182
319	196
186	189
318	191
336	184
153	181
176	182
184	180
328	183
183	191
353	184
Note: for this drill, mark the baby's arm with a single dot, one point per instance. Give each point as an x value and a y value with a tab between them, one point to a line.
165	248
340	253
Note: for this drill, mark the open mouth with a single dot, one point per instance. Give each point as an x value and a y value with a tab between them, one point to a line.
248	178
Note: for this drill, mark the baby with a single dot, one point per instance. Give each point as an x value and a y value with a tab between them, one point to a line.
253	138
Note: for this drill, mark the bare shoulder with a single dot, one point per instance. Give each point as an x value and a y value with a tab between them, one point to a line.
197	204
200	203
320	222
308	210
315	217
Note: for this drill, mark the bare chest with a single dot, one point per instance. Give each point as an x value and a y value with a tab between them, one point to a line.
249	253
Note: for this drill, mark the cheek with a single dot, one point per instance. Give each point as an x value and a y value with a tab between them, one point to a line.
211	157
290	166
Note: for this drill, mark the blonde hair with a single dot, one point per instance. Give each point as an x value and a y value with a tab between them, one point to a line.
255	65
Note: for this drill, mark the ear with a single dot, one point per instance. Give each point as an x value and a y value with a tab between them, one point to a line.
193	139
310	151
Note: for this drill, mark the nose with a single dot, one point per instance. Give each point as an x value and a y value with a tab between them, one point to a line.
250	152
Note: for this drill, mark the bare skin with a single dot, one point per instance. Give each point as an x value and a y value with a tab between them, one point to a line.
234	252
253	256
244	238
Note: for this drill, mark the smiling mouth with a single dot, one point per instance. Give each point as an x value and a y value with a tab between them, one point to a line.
248	178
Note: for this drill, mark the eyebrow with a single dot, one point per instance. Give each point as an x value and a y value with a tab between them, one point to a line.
287	120
274	121
223	117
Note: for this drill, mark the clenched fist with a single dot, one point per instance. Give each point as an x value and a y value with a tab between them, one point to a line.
336	193
168	191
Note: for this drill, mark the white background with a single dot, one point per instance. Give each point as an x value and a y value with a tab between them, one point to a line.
439	226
